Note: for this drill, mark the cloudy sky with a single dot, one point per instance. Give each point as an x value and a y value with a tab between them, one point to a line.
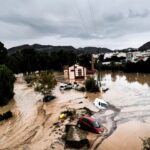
103	23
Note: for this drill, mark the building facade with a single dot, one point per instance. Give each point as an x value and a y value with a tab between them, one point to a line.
74	72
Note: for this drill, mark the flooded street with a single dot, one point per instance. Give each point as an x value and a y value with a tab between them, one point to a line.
127	120
131	94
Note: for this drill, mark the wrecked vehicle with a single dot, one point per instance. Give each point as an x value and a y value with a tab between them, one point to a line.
77	87
90	124
66	87
101	104
48	98
80	88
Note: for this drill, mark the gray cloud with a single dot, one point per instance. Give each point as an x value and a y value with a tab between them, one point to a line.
141	14
98	23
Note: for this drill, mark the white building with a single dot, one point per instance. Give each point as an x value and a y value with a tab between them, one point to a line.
137	56
74	72
121	54
109	55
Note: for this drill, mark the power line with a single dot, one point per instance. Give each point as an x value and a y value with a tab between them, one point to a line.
92	15
81	17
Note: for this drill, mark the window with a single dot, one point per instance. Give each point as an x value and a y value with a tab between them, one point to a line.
79	72
85	120
103	105
96	124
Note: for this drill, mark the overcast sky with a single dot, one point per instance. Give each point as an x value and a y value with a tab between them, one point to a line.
102	23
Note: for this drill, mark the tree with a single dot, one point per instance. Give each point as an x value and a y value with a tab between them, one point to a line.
7	80
46	82
3	53
84	60
146	144
91	86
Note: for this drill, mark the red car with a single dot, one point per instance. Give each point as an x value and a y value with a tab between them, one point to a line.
90	124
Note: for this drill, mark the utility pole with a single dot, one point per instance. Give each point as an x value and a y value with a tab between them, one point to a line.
99	78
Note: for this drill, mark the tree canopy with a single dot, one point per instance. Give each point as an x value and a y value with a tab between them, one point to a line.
3	53
7	80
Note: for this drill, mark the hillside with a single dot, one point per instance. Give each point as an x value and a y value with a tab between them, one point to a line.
49	49
45	48
94	50
144	47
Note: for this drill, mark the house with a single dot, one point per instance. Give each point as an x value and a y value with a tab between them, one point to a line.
137	56
74	72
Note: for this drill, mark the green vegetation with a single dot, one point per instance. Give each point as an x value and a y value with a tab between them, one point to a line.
146	144
47	82
3	53
91	86
141	66
30	79
113	67
43	82
7	80
28	60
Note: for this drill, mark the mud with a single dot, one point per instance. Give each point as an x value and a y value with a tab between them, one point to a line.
33	127
130	94
126	121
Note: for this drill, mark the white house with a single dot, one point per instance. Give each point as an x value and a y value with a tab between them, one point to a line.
137	56
108	55
74	72
121	54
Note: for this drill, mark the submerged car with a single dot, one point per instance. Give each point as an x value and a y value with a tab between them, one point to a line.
77	87
90	124
48	98
101	104
66	86
61	87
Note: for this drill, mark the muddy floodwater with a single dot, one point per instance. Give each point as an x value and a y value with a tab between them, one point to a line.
127	121
131	94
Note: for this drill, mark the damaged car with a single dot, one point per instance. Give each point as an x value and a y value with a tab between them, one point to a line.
101	104
90	124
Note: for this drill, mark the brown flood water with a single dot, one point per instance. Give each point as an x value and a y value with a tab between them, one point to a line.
32	126
131	94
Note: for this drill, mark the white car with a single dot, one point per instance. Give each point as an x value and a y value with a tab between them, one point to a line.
66	86
101	104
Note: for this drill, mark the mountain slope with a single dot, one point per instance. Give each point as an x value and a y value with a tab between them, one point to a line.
49	49
144	47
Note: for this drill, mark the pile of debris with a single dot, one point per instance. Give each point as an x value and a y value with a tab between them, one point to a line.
76	138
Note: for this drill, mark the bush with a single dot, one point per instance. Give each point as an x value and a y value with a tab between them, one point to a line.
91	86
30	78
47	82
7	80
44	82
146	144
